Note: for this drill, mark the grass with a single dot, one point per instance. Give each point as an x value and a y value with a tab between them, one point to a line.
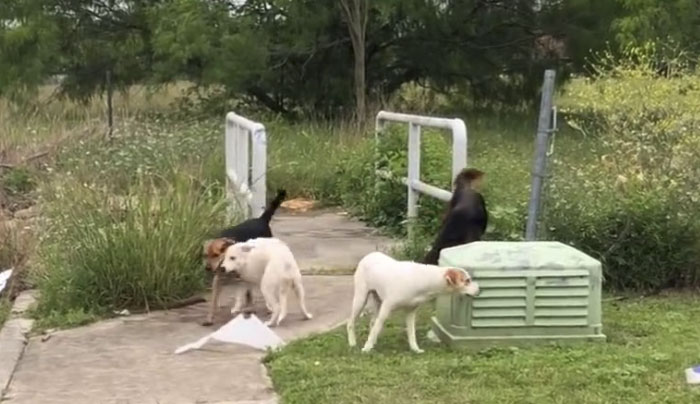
650	343
141	251
5	307
44	121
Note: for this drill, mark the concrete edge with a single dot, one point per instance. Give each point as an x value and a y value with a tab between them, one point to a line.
268	381
14	336
327	272
266	375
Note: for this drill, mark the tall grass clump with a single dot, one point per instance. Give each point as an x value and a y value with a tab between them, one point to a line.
638	207
138	251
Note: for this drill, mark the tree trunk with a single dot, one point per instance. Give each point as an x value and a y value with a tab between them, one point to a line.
110	112
356	15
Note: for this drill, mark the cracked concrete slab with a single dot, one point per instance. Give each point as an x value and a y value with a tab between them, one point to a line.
130	359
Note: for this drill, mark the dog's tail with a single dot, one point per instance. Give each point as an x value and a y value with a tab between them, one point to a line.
272	207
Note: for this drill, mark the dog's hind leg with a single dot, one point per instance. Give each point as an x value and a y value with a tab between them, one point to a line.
359	301
384	311
372	306
283	296
269	292
301	295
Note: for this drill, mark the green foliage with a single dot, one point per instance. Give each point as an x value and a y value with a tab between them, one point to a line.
306	158
641	363
497	150
644	221
29	46
17	181
659	21
139	251
202	42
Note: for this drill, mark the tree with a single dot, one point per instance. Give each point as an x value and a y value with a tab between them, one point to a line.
355	13
28	46
659	21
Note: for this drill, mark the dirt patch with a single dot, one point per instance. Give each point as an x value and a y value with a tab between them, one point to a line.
299	205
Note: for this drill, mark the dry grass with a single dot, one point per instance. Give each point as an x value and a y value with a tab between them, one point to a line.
40	124
30	132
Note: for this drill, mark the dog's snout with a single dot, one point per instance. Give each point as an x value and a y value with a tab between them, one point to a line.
472	289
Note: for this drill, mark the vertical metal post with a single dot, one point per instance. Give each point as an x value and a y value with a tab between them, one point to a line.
259	180
378	128
243	168
228	156
413	173
540	163
459	148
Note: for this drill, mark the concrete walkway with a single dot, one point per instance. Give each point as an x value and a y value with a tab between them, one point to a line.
130	359
327	240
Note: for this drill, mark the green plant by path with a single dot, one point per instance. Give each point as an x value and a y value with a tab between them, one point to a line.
140	251
637	208
650	343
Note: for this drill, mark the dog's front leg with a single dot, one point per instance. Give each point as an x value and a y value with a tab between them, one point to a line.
216	289
411	331
384	311
241	298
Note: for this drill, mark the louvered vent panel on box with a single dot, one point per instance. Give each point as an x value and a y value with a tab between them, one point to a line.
561	301
502	303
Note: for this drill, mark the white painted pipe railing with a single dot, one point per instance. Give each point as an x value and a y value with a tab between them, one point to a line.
246	182
412	181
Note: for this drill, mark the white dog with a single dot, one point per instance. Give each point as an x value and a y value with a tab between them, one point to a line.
392	284
267	262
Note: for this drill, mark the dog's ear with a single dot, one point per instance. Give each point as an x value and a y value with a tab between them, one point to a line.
247	247
454	276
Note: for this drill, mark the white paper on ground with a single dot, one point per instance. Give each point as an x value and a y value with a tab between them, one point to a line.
4	277
247	331
692	375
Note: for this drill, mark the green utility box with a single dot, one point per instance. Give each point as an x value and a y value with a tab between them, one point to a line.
531	292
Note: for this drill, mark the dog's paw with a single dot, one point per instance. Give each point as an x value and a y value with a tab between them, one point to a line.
207	323
367	349
417	350
235	311
308	316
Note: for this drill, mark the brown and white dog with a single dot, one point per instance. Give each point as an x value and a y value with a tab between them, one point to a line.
390	284
213	255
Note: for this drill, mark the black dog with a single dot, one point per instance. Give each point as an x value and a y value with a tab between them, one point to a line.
256	227
242	232
466	217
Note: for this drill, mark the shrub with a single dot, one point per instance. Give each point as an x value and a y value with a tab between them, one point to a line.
103	252
382	202
638	207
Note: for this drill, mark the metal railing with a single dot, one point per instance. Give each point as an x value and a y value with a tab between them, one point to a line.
412	181
246	182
